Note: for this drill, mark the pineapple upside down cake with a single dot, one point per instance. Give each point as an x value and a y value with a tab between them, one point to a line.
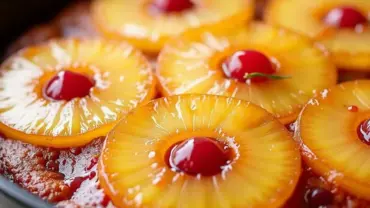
79	127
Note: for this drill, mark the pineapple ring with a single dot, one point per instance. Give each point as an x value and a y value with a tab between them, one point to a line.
191	64
264	171
348	46
132	20
327	130
26	115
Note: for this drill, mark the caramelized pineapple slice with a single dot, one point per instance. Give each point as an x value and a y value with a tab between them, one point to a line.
341	25
262	169
333	133
65	93
148	27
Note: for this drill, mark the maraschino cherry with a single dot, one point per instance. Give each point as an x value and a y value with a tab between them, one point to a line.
345	17
352	108
198	155
318	197
363	131
249	65
67	85
170	6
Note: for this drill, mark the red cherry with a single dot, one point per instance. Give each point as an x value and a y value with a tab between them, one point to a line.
67	85
198	155
345	17
318	197
363	131
242	63
353	108
169	6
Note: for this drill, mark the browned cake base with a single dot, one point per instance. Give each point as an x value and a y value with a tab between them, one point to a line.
67	177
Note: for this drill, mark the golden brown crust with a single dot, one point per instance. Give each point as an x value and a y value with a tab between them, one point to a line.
28	165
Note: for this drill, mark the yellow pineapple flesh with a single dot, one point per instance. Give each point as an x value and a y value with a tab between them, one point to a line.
134	21
123	79
328	133
263	171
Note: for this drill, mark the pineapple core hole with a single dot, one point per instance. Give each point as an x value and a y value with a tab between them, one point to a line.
66	85
363	131
199	155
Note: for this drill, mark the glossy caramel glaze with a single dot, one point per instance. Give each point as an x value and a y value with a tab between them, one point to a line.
65	177
333	197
